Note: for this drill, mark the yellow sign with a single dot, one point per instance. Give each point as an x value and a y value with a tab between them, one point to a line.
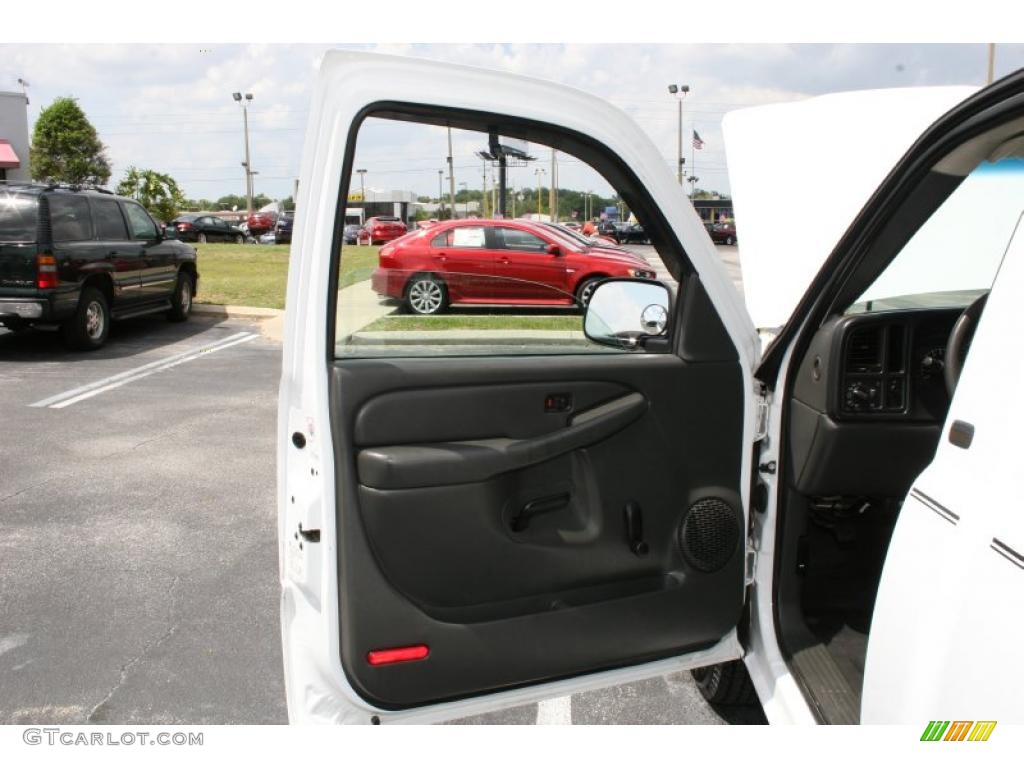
355	197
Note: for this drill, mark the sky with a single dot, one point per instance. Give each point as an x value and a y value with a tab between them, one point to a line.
169	106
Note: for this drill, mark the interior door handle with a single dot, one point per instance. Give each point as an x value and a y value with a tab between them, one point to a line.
538	507
422	466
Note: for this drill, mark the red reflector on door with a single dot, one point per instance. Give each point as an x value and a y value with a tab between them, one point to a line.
393	655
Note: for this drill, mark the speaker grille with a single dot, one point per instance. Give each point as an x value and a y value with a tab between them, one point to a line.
709	534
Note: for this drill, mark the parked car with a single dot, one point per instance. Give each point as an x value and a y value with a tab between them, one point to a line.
826	521
79	258
351	233
383	229
596	243
283	228
630	233
261	222
496	261
723	233
204	228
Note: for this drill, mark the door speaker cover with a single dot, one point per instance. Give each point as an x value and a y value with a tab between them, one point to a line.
709	534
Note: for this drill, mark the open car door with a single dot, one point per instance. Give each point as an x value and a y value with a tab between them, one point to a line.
469	522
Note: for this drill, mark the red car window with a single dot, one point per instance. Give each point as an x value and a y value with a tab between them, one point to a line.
520	240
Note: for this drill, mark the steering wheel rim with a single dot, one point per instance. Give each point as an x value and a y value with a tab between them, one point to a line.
959	341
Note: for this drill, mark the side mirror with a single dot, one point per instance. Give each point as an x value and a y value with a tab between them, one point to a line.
170	233
627	313
554	250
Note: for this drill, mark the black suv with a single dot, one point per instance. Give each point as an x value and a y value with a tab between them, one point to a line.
283	228
75	258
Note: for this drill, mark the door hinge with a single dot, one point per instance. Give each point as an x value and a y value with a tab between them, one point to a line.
761	410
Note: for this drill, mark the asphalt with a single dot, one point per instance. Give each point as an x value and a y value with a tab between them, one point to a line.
138	553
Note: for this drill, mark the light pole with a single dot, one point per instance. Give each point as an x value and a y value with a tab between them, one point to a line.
538	172
465	202
248	164
680	91
362	190
451	171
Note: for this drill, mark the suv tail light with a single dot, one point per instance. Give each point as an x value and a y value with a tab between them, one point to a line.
46	271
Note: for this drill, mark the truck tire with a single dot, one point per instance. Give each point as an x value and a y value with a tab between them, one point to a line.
181	299
87	329
727	683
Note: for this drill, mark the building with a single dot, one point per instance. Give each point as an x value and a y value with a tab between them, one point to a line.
14	137
713	210
398	203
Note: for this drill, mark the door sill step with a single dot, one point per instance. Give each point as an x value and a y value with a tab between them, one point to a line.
832	696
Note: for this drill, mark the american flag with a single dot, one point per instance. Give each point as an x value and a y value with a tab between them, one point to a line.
698	142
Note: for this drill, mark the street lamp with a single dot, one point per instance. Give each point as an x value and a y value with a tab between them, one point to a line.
248	163
680	91
538	172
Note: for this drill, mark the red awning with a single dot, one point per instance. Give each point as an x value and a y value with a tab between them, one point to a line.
8	157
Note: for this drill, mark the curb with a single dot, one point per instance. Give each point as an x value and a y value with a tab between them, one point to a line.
229	310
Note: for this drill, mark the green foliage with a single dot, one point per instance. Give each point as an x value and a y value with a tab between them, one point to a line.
66	148
238	202
157	192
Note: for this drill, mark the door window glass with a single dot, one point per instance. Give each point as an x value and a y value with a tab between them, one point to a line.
142	226
520	240
69	218
475	287
108	221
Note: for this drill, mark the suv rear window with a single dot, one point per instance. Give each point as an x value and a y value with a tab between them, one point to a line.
18	215
69	218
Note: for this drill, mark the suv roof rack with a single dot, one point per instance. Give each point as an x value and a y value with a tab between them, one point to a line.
78	188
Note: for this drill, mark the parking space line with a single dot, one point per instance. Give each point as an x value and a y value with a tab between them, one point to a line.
555	711
92	389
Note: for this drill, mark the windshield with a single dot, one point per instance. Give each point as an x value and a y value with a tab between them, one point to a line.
953	258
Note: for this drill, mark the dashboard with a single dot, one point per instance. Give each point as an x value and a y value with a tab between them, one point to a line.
869	401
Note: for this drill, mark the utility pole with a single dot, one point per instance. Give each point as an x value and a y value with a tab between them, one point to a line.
440	199
465	203
248	163
451	171
991	62
679	91
484	199
538	172
552	204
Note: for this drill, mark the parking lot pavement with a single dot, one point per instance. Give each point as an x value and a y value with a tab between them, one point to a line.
728	253
138	560
138	551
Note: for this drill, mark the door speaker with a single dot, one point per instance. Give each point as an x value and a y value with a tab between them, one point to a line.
709	534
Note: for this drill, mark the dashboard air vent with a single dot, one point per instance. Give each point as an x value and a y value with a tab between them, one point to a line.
864	351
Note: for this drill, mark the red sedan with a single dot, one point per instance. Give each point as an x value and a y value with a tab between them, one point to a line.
382	229
479	261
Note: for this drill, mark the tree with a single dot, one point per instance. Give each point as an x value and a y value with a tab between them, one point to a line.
157	192
66	148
